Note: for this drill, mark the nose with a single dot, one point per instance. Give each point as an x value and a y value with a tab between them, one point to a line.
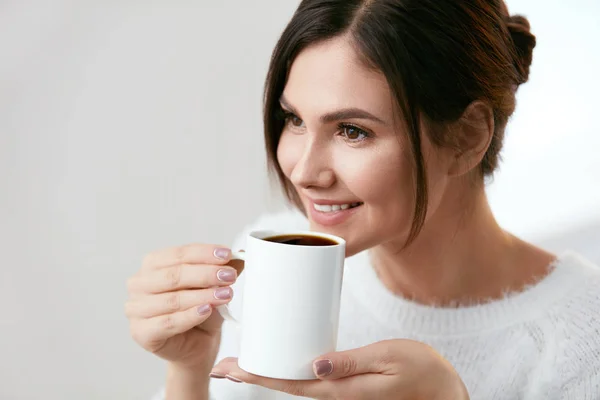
313	169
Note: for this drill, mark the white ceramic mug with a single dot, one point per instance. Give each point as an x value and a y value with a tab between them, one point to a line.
291	304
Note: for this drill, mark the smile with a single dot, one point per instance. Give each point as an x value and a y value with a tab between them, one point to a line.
327	208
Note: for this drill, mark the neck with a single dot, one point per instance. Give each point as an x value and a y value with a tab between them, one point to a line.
462	256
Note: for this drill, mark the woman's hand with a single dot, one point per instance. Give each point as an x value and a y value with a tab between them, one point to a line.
171	300
389	370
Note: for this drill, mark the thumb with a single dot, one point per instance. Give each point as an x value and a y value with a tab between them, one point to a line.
368	359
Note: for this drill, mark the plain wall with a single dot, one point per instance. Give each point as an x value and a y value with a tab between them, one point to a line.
127	126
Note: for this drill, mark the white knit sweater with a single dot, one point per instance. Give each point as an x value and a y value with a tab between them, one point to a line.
542	343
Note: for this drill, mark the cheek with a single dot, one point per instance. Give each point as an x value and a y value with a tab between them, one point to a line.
383	181
381	178
289	152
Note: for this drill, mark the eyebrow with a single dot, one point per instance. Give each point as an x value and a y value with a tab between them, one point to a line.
344	113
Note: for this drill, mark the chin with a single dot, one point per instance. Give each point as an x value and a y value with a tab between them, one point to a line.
356	242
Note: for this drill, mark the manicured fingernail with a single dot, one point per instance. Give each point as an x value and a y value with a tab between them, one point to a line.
216	376
323	367
226	275
204	309
222	253
223	293
233	379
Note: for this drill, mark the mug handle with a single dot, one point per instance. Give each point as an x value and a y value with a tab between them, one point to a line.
224	309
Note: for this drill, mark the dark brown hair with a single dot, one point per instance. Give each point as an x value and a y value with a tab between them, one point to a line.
438	56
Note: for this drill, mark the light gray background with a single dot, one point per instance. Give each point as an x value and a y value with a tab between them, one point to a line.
127	126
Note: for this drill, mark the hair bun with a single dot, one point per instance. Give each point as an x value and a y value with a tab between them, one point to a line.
524	42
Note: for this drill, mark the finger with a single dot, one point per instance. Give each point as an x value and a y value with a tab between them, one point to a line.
374	358
148	332
228	367
170	302
182	276
187	254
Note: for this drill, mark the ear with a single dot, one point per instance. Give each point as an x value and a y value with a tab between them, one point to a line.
473	134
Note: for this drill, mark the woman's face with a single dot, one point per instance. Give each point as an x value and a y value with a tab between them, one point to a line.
344	149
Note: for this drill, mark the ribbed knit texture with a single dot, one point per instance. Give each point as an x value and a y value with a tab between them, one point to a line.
542	343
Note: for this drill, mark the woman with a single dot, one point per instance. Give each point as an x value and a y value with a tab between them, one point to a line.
382	120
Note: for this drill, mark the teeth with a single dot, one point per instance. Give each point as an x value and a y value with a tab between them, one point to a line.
322	208
334	207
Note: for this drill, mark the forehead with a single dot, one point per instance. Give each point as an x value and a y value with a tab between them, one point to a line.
329	75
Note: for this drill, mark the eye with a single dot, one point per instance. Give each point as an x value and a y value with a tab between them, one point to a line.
295	121
353	133
291	120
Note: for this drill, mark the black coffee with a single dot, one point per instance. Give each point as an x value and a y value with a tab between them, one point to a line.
302	240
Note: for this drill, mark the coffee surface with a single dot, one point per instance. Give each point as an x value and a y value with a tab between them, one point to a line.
302	240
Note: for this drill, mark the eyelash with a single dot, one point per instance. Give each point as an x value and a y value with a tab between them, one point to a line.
286	116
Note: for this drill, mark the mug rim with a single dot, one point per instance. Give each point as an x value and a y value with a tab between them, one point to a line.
264	233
